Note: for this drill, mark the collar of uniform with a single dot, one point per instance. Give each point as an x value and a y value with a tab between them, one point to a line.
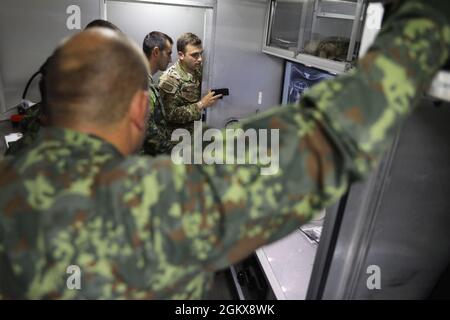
150	79
185	75
79	140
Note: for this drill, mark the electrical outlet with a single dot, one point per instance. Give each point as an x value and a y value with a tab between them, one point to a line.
260	98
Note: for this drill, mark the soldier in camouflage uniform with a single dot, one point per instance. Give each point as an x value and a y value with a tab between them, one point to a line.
157	47
181	86
141	227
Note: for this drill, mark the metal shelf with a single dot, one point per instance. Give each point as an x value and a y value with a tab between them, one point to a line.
309	44
335	16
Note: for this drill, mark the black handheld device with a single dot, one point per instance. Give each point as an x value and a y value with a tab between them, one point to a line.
222	91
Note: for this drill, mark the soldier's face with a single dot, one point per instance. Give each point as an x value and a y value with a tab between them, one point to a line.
165	57
192	57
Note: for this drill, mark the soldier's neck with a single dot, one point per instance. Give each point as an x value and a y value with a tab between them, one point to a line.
153	68
185	68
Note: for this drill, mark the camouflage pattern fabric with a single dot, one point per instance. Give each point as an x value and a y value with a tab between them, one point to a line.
29	126
141	227
180	93
157	139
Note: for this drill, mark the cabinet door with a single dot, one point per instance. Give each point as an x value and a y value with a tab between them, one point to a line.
287	17
335	30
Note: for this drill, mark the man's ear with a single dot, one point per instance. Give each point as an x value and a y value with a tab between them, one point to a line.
180	55
139	110
156	52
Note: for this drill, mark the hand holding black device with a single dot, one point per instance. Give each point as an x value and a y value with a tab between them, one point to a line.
222	91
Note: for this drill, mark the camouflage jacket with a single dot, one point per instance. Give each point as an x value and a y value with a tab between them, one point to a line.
157	139
140	227
180	93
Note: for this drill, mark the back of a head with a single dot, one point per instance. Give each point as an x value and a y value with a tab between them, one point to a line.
103	24
155	39
92	78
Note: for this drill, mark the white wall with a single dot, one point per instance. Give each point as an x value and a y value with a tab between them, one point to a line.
29	32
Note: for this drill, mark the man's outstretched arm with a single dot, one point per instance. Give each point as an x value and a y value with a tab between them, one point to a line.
219	214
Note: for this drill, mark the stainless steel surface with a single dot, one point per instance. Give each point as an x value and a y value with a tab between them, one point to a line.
356	32
322	261
335	67
301	34
236	283
288	264
336	16
314	15
268	24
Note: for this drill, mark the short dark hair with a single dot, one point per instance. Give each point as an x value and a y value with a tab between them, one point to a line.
155	39
188	38
103	24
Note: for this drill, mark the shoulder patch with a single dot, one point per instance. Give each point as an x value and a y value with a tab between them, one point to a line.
169	81
168	86
173	73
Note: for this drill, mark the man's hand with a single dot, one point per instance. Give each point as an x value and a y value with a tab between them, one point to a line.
208	100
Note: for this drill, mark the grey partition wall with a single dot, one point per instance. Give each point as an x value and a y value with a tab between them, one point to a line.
29	31
254	78
2	97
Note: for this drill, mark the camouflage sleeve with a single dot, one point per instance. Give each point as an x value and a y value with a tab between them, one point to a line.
175	108
218	214
151	100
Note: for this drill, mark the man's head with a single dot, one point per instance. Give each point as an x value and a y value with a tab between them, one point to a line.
157	47
96	83
103	24
190	51
42	70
